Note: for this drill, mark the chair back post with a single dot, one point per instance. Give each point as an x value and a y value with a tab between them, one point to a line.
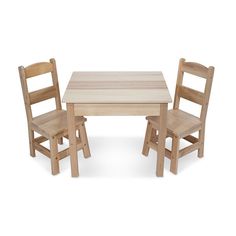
56	84
25	92
178	83
207	92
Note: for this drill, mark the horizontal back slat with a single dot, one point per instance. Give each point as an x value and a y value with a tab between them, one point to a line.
195	69
38	69
42	94
191	94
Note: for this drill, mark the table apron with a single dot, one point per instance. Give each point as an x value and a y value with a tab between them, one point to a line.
117	109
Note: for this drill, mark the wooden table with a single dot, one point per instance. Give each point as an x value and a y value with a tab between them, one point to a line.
116	93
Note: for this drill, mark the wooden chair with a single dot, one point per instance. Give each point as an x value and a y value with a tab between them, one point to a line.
181	124
52	125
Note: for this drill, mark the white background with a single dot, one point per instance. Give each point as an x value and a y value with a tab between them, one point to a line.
117	192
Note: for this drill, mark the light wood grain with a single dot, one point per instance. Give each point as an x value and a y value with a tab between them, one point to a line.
40	139
191	139
191	95
51	125
72	140
196	69
161	141
179	82
116	96
84	140
204	109
117	84
56	84
38	69
116	76
54	155
42	94
174	154
117	109
181	124
117	87
146	146
178	122
189	149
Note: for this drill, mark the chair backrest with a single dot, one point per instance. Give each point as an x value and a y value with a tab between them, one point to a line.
201	98
43	94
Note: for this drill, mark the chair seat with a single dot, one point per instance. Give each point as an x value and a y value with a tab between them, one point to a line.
179	123
53	123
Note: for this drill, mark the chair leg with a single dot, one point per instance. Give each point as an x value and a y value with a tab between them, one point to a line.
201	140
84	140
31	143
60	141
154	135
147	139
174	155
54	155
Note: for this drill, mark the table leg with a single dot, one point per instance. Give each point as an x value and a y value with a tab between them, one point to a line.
161	140
72	140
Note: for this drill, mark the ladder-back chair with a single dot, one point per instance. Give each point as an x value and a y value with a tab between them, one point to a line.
180	124
52	125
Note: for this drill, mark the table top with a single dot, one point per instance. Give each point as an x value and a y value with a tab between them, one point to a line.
117	88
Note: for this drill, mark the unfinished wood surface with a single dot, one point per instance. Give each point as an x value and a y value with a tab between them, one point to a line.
38	69
117	87
191	139
191	95
147	139
72	140
31	141
196	69
40	139
117	109
117	84
51	125
42	94
56	84
161	141
181	124
204	109
174	154
84	140
54	156
114	96
189	149
178	83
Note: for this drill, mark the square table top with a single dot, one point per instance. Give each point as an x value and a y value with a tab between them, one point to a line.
117	88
